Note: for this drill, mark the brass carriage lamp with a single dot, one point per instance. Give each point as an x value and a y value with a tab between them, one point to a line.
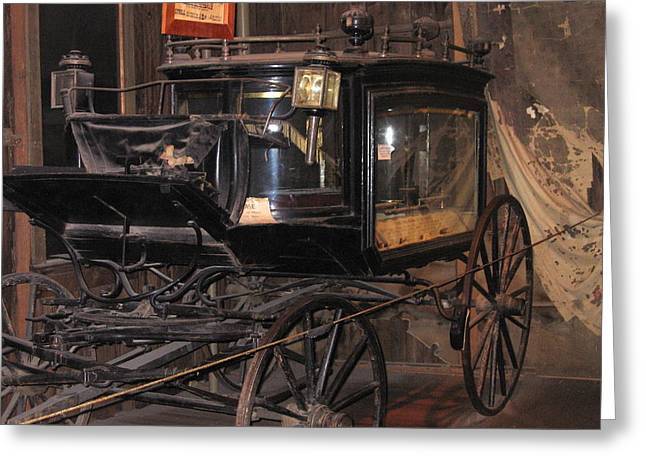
316	89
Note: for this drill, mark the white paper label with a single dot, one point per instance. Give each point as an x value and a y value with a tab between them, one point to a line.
384	151
256	211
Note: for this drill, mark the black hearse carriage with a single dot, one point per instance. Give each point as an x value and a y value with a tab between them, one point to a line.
272	196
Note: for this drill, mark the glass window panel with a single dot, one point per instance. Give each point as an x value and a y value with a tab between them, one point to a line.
426	170
284	169
279	174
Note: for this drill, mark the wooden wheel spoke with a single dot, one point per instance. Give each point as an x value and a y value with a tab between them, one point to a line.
241	304
495	252
6	320
514	237
493	372
487	269
506	230
483	291
511	249
310	354
478	318
510	347
284	393
505	249
30	401
501	368
5	391
27	368
346	369
281	410
516	322
486	366
33	295
242	371
293	356
11	406
484	341
43	398
292	383
521	290
328	356
513	269
355	396
11	365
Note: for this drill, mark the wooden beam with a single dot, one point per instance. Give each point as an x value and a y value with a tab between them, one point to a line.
22	229
126	55
29	243
458	35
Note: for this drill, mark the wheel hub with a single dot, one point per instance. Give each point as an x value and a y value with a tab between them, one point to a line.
320	416
507	305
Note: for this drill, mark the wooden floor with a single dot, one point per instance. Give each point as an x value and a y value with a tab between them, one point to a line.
433	397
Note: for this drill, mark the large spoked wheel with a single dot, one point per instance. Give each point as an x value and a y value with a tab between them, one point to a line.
16	400
335	377
498	300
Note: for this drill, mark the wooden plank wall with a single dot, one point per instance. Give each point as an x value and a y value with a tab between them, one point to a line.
8	139
149	52
290	18
23	245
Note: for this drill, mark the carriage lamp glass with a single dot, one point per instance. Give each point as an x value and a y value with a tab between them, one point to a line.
316	88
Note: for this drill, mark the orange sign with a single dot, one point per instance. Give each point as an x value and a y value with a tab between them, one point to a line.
199	20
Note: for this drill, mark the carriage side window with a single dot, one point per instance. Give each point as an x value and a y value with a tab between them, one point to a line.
425	170
280	179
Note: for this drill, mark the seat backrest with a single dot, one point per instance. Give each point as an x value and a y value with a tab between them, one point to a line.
109	142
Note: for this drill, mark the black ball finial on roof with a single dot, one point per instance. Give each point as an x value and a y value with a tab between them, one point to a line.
358	24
